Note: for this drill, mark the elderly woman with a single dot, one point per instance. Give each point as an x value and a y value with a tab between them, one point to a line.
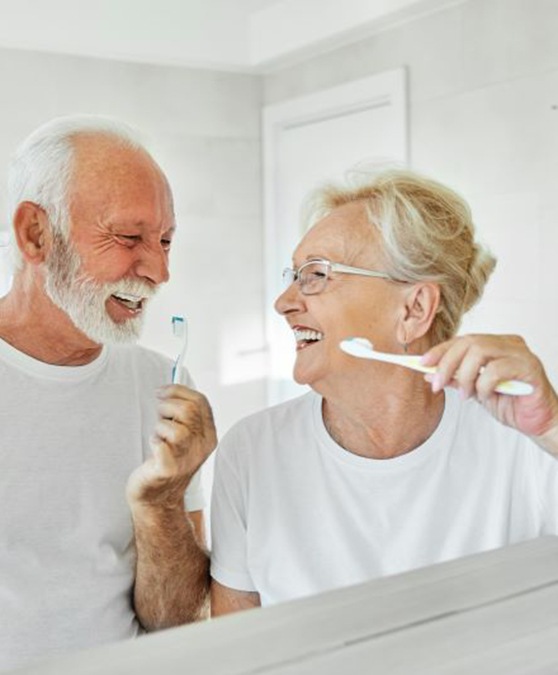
377	471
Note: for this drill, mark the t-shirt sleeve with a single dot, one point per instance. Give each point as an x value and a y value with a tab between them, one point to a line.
546	475
194	497
229	562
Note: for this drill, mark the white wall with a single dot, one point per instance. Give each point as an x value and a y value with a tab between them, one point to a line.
198	33
483	78
483	117
203	128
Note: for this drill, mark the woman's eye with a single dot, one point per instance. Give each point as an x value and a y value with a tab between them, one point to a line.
166	244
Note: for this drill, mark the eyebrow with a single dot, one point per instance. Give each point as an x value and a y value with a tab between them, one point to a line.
310	258
140	225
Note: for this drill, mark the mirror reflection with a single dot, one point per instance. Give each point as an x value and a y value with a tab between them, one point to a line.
402	166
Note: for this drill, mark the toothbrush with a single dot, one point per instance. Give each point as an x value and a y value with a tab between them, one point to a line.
363	348
179	330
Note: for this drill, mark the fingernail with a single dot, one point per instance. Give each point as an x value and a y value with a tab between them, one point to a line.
435	384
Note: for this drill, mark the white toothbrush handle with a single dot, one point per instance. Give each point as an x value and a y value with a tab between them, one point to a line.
515	388
357	347
508	387
177	369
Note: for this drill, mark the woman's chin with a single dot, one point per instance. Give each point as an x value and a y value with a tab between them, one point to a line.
300	376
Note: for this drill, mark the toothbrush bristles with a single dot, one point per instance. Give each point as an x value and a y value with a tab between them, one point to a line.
179	330
178	326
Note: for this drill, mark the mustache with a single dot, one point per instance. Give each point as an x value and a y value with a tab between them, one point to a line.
137	287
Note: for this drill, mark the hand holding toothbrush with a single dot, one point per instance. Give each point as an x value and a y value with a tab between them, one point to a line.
184	437
475	364
172	566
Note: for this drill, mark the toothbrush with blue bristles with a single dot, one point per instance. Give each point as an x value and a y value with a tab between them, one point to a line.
179	330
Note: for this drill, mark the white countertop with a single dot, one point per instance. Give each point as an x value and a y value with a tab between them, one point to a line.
492	613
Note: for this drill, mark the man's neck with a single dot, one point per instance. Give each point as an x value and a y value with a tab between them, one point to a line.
32	324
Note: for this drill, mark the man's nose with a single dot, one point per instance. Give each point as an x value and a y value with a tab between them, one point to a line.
154	266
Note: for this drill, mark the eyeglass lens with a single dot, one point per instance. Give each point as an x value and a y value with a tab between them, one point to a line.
312	277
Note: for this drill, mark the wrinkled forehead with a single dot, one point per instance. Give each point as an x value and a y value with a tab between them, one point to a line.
105	169
101	156
344	235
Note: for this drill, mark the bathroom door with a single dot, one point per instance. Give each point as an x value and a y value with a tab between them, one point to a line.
306	141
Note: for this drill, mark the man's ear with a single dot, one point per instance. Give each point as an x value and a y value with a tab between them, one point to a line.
32	232
421	304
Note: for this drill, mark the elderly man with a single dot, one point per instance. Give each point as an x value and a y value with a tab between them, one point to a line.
84	420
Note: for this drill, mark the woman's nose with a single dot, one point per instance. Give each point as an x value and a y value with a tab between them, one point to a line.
290	300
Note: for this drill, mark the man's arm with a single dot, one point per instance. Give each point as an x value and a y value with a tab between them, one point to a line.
225	600
172	570
172	582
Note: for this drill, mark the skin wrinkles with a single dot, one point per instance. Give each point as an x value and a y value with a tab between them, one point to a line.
349	305
138	198
356	393
379	410
117	192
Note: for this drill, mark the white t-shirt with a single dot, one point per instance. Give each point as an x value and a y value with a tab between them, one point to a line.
69	439
293	513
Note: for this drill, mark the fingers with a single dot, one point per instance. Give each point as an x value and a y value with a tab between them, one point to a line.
183	438
476	364
166	461
170	432
497	371
185	423
178	391
185	407
178	410
179	394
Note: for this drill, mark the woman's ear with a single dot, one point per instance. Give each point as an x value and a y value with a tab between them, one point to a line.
421	304
32	232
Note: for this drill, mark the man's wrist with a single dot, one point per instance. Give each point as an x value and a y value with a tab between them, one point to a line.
156	511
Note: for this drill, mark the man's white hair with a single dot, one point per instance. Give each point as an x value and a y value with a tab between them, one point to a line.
42	166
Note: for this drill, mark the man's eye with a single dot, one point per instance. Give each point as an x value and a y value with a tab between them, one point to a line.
166	244
129	239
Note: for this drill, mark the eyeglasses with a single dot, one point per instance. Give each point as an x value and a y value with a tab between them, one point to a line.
313	275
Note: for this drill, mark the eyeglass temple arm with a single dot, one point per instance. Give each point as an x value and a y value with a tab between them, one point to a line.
346	269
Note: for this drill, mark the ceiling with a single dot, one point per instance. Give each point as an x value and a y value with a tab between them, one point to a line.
235	35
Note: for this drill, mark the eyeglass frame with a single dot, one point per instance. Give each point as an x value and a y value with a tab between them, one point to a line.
294	273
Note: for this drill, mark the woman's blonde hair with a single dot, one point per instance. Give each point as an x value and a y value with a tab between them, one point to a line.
427	232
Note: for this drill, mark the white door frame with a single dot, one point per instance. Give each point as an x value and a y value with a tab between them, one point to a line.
385	89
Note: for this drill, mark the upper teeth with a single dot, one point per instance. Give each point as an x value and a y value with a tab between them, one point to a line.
131	301
129	297
307	335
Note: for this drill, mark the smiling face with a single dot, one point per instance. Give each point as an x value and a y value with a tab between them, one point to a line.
349	306
122	223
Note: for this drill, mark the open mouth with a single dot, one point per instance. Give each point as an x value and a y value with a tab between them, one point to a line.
131	302
306	336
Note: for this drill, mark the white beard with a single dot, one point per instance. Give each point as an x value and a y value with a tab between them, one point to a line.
84	300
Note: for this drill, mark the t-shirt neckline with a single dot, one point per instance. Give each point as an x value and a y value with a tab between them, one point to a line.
32	366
